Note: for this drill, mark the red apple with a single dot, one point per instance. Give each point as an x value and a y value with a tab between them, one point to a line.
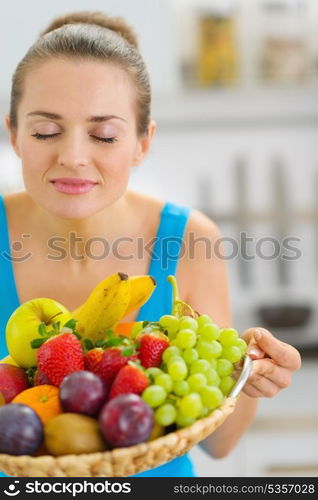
13	380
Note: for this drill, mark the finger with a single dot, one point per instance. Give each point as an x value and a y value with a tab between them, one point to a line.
259	391
250	391
253	349
263	387
266	368
283	354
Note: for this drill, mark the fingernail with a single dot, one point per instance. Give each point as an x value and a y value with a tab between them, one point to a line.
254	352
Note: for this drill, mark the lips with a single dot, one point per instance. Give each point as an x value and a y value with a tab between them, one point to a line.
73	185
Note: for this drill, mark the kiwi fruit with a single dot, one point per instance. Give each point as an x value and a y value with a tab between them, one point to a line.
72	433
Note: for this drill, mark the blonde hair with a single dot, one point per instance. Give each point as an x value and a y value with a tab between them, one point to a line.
88	35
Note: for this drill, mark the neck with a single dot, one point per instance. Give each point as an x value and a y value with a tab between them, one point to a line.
75	236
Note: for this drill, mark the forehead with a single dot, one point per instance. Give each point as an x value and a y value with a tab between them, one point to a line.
77	87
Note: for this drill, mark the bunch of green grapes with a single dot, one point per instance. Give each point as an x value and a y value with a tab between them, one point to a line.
196	371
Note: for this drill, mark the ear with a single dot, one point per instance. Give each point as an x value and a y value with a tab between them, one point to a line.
12	134
144	143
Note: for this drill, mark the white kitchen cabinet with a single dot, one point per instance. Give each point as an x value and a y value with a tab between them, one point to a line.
201	141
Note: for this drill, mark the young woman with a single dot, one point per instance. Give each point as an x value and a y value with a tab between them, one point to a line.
80	121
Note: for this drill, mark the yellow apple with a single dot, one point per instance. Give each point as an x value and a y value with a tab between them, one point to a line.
23	327
9	361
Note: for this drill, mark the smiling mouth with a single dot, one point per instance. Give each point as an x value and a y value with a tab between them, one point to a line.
73	185
73	180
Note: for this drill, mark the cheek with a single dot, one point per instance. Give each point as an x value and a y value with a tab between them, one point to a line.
34	157
117	165
31	168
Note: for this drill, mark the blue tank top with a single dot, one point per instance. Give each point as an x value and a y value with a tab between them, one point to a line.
164	261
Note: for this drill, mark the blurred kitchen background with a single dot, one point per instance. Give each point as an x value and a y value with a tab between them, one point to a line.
235	86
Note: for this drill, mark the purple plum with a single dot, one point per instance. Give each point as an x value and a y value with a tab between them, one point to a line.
126	420
82	392
21	430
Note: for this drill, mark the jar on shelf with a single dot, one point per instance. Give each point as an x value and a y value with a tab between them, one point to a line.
284	49
216	63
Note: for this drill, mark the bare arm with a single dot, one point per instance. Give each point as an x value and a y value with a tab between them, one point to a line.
208	293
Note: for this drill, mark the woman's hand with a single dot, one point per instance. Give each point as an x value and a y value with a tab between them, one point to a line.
273	363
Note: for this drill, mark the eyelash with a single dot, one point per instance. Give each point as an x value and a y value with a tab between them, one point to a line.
109	140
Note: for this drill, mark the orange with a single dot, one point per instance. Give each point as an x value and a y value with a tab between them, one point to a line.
43	399
2	400
124	328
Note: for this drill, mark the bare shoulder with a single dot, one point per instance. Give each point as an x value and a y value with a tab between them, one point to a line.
18	206
143	202
201	240
146	210
18	198
202	225
14	199
199	225
203	269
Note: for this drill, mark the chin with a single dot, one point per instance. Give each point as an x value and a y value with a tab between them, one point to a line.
76	207
75	210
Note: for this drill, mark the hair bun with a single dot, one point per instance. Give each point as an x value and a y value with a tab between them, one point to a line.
116	24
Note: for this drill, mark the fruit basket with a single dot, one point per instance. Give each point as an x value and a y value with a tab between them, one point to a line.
130	460
121	461
87	400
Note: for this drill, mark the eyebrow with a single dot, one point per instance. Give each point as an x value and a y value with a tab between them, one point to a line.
95	119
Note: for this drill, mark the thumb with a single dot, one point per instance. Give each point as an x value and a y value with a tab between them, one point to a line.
253	349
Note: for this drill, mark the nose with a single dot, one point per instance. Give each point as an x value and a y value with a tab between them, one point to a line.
73	152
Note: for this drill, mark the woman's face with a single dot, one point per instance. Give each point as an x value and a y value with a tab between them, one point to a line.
77	136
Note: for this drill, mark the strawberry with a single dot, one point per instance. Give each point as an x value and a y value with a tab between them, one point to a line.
92	360
151	347
59	356
130	378
40	378
113	359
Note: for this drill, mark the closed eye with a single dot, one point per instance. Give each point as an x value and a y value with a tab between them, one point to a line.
41	136
109	140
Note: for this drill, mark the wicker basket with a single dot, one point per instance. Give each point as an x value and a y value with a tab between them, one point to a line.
121	462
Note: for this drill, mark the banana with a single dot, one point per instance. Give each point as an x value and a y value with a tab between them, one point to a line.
104	307
141	288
